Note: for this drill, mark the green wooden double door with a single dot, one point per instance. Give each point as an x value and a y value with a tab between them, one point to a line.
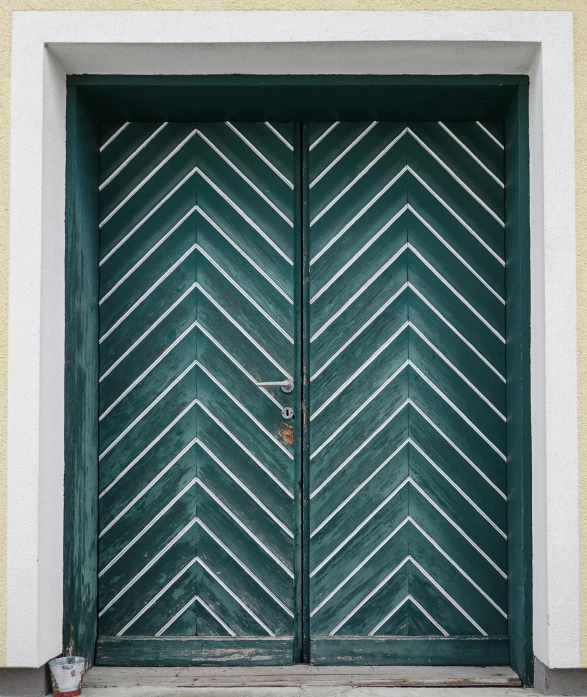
359	517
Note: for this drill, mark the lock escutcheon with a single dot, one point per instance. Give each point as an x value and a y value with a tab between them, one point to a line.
287	413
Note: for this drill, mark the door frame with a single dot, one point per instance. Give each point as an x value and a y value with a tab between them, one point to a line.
90	98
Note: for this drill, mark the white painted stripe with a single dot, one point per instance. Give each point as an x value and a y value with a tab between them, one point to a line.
454	407
144	258
359	527
131	157
467	188
178	614
364	248
147	488
356	217
357	372
357	411
362	485
151	174
246	489
493	138
246	569
411	599
456	254
114	136
245	217
459	451
244	255
260	155
155	324
278	134
429	616
368	597
456	216
233	360
358	450
256	421
339	157
253	341
244	177
460	530
148	292
233	595
359	292
472	154
244	449
245	528
151	406
321	137
457	488
458	568
145	568
358	568
371	319
157	597
457	371
389	615
447	596
244	293
149	214
147	527
456	331
359	176
456	293
215	616
147	449
148	370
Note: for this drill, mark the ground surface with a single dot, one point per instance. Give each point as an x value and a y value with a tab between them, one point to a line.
308	691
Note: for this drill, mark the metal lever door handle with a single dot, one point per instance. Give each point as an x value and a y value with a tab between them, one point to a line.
286	385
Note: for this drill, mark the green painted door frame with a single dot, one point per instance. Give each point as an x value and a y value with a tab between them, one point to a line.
93	99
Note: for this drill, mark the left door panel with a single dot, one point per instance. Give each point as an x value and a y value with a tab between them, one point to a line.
197	532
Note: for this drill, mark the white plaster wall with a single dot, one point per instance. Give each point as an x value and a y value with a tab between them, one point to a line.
536	43
35	368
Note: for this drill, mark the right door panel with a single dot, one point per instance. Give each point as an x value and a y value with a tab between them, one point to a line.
407	449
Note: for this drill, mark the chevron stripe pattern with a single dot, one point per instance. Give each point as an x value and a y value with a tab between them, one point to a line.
196	467
407	389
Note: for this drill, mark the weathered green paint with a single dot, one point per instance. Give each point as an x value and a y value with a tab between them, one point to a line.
189	651
305	327
411	651
300	604
407	465
518	388
299	97
81	382
130	102
197	465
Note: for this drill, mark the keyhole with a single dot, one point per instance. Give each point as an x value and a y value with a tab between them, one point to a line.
287	412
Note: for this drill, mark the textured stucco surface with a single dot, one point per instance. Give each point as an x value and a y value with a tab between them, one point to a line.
579	7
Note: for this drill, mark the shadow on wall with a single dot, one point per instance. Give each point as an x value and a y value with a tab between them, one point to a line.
561	681
25	682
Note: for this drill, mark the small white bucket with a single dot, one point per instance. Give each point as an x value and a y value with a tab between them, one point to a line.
66	675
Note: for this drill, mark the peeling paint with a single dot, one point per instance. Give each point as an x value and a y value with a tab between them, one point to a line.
286	433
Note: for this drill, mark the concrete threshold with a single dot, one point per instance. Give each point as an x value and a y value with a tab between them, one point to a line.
309	691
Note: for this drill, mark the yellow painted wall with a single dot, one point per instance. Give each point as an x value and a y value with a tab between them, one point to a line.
579	7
